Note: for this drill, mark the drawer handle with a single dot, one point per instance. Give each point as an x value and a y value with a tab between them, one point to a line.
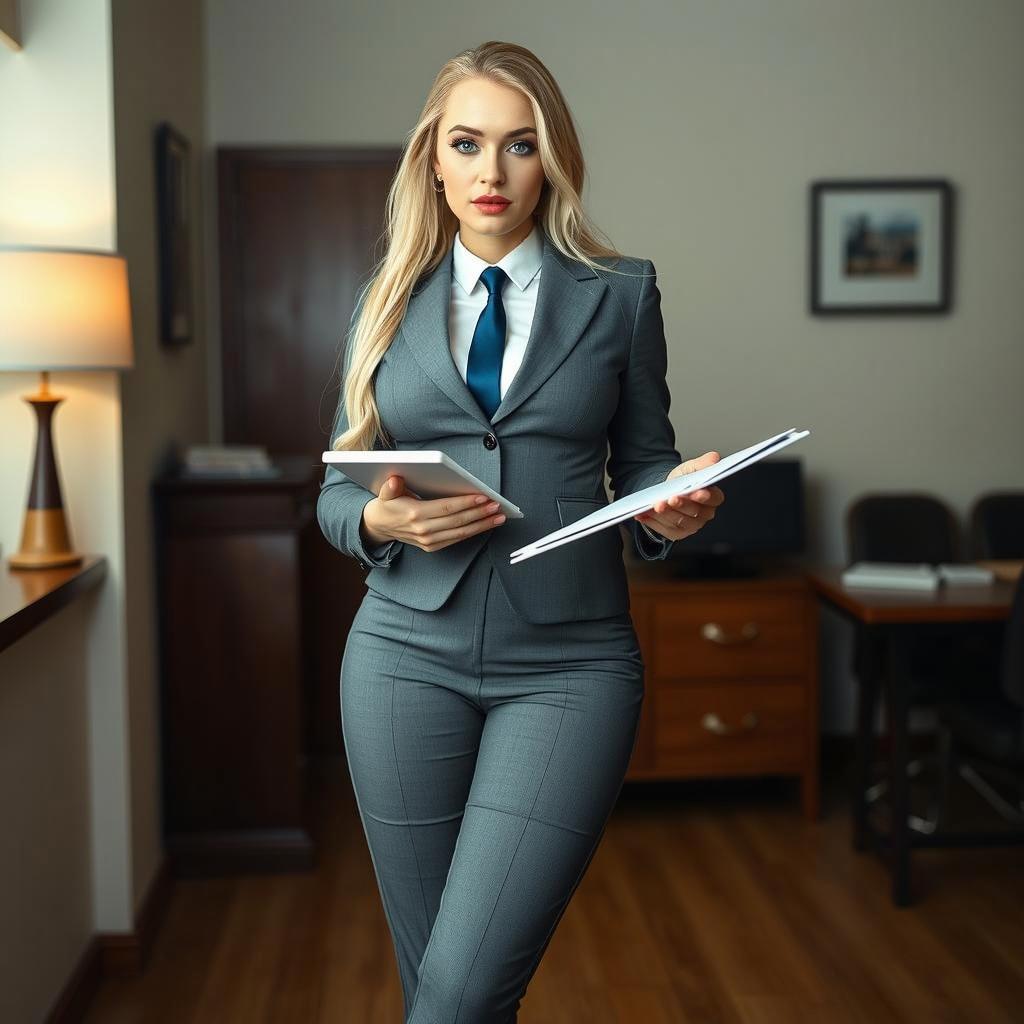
714	724
713	631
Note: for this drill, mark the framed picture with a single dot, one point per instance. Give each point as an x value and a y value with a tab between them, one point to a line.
174	233
880	246
10	24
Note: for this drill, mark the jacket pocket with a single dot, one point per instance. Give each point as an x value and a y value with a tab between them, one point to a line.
571	508
596	560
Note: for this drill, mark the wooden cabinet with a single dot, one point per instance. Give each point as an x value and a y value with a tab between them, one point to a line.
732	677
235	642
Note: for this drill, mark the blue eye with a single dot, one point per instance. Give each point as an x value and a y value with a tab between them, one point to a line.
530	148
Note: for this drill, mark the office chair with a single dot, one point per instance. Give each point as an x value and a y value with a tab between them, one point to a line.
909	527
996	531
991	729
997	525
904	528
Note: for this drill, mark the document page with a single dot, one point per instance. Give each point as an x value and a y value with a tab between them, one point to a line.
643	500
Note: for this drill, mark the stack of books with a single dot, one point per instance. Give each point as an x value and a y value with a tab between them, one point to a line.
915	575
228	460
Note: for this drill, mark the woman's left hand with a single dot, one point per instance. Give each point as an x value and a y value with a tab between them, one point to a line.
683	515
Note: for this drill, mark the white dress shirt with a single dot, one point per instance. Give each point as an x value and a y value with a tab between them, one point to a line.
518	296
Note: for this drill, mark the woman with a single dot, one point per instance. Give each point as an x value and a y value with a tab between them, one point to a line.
489	710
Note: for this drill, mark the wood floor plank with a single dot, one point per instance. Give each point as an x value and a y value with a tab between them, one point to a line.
706	903
699	995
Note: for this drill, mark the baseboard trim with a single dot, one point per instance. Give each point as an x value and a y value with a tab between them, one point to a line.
78	992
114	954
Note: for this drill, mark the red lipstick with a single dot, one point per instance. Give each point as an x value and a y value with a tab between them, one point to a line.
491	204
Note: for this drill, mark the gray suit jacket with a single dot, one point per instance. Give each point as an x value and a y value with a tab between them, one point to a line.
591	389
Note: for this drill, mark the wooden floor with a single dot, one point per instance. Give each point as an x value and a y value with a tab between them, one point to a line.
709	902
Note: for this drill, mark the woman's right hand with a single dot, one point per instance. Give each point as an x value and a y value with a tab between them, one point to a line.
430	524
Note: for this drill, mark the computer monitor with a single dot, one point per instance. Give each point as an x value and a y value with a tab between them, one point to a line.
763	515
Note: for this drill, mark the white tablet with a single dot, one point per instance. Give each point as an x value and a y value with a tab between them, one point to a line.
427	474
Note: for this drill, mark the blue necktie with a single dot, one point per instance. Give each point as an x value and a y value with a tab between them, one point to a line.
483	371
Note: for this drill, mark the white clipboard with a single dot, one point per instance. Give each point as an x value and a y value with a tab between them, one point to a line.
643	500
427	473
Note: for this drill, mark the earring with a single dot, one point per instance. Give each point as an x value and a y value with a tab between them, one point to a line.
434	183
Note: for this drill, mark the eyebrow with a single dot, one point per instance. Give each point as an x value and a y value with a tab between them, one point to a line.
476	131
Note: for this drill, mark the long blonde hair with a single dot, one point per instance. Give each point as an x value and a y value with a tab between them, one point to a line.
420	226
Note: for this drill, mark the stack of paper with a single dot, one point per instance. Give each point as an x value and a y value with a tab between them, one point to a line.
891	575
228	460
965	575
915	575
642	501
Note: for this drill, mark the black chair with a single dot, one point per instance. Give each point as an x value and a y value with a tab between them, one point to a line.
911	527
996	531
990	730
905	528
997	525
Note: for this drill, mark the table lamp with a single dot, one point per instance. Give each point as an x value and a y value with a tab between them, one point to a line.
60	309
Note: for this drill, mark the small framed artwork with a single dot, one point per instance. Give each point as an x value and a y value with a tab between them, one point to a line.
10	24
880	246
174	231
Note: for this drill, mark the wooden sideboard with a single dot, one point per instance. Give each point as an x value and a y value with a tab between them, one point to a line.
236	637
731	677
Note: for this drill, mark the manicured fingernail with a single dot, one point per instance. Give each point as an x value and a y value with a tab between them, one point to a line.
481	499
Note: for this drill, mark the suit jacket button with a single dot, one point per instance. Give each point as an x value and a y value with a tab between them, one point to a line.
490	441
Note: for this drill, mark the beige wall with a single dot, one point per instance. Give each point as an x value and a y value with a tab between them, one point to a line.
164	401
730	109
64	855
79	741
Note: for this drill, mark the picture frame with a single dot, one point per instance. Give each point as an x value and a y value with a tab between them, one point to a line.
880	246
10	25
174	231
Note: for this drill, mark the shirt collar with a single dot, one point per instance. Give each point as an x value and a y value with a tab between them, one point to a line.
522	264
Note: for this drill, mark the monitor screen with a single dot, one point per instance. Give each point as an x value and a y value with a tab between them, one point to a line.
763	513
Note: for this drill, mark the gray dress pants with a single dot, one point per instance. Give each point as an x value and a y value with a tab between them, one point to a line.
486	755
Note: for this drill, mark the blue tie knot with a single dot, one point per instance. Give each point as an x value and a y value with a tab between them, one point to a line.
494	279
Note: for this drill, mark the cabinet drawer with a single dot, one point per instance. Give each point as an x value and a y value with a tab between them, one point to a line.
705	636
723	728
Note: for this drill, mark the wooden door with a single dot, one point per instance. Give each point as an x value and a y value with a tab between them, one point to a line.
300	230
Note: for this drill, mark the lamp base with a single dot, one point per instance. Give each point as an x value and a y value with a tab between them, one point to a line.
45	542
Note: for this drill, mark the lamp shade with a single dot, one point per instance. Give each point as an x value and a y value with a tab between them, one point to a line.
63	309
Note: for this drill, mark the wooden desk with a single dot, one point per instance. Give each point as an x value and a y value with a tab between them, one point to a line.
894	618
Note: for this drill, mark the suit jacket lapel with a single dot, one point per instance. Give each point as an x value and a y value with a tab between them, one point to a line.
567	299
